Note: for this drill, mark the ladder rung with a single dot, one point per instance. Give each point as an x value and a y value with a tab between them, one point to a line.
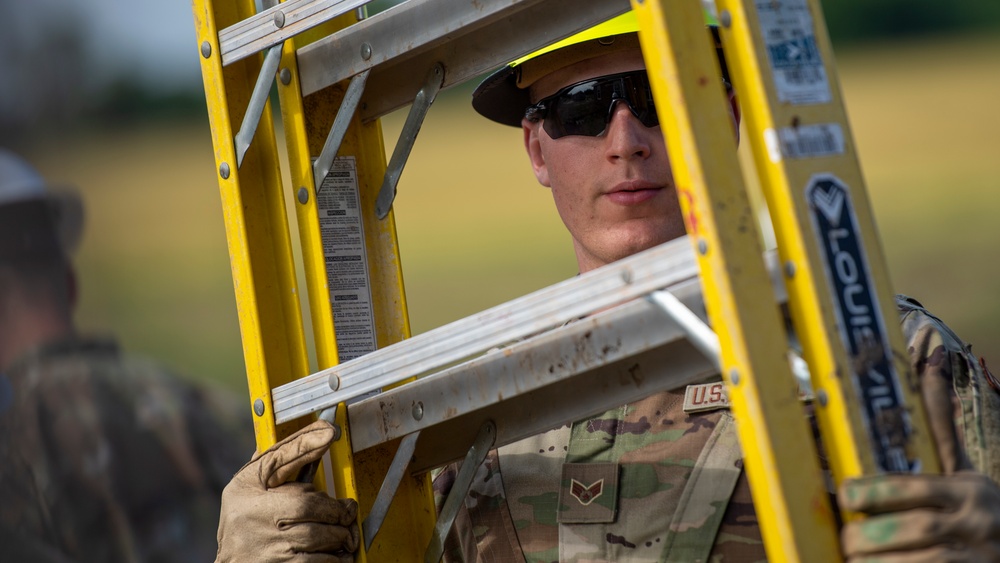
469	37
670	265
581	369
273	25
542	310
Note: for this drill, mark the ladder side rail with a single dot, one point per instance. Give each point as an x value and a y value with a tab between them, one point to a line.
790	496
871	415
256	225
468	37
308	121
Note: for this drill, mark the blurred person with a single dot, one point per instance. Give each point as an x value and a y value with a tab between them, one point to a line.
671	477
104	457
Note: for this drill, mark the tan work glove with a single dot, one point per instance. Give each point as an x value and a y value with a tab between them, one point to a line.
267	516
954	517
922	518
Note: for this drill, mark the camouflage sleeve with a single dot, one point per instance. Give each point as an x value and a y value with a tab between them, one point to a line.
961	396
108	457
15	546
207	432
460	544
222	431
483	530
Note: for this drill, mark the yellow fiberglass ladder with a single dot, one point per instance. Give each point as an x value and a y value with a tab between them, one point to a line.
407	405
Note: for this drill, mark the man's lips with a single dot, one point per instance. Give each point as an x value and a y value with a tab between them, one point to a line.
633	192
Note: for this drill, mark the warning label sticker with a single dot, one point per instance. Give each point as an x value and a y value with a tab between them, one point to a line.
805	141
339	208
790	40
859	318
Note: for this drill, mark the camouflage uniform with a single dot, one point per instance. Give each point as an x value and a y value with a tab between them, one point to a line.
108	458
658	480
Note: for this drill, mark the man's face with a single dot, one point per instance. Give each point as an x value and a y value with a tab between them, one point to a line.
614	192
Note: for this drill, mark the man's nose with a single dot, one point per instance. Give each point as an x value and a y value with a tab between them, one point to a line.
627	137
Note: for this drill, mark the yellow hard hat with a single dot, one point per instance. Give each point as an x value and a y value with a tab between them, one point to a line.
503	96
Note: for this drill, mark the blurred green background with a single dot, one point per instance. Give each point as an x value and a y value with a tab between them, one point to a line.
920	82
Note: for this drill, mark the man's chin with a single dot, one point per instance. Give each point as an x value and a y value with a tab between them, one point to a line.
646	239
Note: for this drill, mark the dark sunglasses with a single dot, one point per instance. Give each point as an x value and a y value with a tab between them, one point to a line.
585	108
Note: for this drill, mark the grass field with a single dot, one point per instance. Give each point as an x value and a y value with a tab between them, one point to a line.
475	229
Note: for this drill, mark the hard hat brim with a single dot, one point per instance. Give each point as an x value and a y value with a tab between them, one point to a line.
503	96
499	99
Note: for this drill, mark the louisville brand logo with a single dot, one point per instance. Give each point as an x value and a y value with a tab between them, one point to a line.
859	318
586	494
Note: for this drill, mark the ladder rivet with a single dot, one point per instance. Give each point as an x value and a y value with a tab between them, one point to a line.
303	195
702	247
258	407
206	49
822	397
285	76
725	19
366	51
279	19
790	269
224	171
734	376
418	410
626	276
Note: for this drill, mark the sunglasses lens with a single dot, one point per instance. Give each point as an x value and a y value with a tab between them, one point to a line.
581	110
640	100
584	109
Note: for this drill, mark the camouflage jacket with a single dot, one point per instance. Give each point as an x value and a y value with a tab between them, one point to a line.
661	479
108	458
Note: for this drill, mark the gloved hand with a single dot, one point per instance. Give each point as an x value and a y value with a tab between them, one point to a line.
922	518
267	516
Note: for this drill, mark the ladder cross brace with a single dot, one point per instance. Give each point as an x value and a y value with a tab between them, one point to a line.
348	107
407	137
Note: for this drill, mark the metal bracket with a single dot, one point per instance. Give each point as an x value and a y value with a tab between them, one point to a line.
257	100
700	334
389	486
477	454
421	103
308	472
348	107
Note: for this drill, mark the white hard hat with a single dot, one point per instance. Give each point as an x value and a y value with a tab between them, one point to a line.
20	182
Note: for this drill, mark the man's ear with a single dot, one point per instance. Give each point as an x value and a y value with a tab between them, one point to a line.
532	129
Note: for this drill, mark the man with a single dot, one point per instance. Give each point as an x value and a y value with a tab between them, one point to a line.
103	457
592	137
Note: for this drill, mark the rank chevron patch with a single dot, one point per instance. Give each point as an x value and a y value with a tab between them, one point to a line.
586	494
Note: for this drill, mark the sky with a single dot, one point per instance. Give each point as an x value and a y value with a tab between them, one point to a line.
151	39
155	38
